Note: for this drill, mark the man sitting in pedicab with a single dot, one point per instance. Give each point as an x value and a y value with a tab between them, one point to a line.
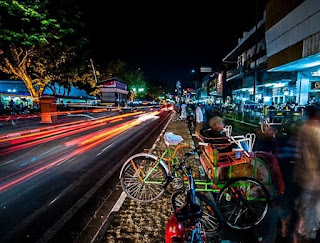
216	135
218	139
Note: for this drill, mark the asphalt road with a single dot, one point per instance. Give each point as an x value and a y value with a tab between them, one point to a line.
46	176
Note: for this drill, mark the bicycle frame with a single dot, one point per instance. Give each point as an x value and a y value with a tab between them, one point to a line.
171	161
188	216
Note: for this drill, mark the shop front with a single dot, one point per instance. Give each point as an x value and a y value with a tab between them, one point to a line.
113	92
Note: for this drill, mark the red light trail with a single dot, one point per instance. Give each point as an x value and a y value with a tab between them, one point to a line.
83	144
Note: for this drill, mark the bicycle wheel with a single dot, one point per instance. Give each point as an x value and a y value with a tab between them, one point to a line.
243	202
212	220
136	185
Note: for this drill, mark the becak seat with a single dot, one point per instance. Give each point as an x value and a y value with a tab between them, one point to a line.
221	143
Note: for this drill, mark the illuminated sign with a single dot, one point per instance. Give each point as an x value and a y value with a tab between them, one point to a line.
315	74
114	84
213	85
205	69
111	84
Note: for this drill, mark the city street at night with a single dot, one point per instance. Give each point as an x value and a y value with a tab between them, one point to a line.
156	123
59	166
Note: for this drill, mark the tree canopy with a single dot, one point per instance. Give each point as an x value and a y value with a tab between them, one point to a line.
38	40
134	78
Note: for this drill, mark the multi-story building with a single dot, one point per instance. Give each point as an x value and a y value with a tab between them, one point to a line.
293	45
278	60
209	86
247	77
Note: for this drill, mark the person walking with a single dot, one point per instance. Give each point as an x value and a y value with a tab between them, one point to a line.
199	119
307	177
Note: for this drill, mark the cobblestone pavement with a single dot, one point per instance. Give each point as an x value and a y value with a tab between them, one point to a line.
145	222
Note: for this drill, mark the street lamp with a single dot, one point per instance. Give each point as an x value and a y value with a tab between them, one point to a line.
134	92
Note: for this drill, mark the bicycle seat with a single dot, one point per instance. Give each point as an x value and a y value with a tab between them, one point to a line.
190	210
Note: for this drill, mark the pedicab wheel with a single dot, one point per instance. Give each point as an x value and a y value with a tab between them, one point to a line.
212	220
243	202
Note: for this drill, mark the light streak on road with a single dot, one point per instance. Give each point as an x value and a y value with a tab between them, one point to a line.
58	113
26	136
56	136
26	133
83	145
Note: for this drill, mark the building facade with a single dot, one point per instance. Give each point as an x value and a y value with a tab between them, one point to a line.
293	45
278	59
113	92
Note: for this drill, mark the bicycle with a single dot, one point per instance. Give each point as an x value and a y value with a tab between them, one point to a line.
242	203
200	215
184	224
145	177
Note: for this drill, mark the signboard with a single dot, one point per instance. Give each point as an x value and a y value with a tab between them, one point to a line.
115	84
205	69
111	84
213	84
120	85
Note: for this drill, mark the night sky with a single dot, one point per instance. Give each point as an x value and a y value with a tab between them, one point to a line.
167	40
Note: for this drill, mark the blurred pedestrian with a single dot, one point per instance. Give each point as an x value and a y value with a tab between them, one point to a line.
307	177
199	119
183	110
272	106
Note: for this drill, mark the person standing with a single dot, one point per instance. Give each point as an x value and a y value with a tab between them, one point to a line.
183	110
307	177
199	119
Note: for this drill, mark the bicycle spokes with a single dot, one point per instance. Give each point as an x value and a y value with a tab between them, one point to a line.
143	178
244	203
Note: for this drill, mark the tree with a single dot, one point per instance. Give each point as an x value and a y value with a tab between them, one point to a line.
156	88
133	77
117	68
37	38
136	83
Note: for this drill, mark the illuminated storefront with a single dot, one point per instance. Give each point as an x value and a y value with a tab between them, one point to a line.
293	45
113	92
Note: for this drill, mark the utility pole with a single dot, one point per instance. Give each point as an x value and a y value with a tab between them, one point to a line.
255	58
94	71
